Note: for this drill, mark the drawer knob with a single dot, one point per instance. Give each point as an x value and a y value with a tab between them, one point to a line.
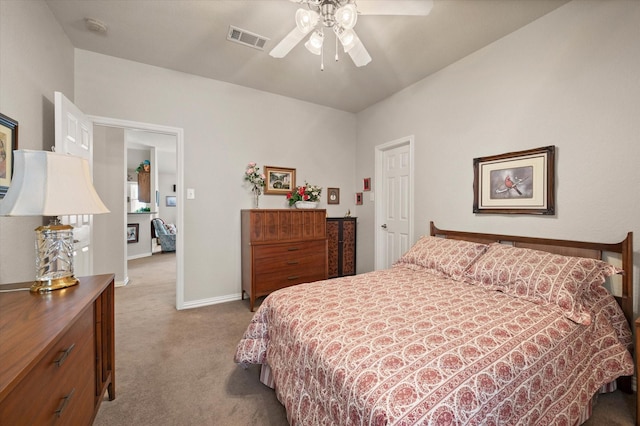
64	403
63	356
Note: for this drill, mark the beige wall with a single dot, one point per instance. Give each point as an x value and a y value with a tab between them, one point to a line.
36	59
109	173
225	127
569	79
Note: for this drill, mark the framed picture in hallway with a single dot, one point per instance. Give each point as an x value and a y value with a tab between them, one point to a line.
132	232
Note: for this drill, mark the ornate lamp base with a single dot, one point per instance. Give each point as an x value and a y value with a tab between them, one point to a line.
55	284
54	258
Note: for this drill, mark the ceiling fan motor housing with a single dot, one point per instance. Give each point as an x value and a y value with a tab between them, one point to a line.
328	10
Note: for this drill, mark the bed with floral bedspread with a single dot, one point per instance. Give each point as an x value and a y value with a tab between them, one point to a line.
454	333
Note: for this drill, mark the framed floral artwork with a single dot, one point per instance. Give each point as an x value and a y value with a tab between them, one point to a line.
358	198
515	183
279	180
8	143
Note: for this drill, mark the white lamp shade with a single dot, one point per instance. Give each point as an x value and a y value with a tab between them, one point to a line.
50	184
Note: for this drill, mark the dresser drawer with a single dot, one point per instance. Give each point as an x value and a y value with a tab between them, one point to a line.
275	280
290	264
267	253
54	391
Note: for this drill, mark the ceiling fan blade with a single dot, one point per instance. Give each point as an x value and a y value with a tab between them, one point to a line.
359	54
395	7
289	42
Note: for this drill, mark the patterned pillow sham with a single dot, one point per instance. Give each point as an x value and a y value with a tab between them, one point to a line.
451	257
541	277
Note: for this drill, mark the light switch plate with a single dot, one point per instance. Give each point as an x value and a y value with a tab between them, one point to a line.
191	194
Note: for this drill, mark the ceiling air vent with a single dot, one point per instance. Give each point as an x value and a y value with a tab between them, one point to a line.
246	38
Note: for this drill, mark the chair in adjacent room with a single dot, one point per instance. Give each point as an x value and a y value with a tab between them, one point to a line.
163	232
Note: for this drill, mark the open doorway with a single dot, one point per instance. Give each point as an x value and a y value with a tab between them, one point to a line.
166	143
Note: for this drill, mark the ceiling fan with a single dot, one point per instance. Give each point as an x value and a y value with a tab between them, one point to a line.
340	16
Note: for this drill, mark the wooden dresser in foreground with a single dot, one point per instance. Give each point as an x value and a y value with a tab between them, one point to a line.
57	353
281	248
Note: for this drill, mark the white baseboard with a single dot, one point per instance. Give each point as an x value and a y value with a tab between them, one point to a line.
122	283
211	301
139	256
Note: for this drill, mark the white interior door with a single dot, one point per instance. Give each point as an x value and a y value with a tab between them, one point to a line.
74	135
394	206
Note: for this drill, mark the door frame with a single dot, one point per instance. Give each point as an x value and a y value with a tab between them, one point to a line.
379	241
179	134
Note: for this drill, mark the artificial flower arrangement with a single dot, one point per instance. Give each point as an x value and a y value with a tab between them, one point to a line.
252	175
304	193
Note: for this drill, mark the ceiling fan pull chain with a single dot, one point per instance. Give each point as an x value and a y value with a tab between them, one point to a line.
336	48
322	53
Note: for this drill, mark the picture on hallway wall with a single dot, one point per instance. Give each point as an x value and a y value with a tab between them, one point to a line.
515	183
132	232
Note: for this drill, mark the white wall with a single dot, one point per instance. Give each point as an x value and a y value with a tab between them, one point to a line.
165	186
36	59
225	127
109	179
570	79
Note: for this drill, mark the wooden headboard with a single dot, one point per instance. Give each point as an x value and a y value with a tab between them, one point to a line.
566	248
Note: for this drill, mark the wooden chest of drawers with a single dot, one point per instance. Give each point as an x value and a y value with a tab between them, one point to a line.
281	248
57	353
341	240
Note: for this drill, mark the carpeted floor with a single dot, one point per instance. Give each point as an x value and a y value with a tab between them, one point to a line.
176	367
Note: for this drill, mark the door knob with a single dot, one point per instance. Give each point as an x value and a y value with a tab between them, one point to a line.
383	226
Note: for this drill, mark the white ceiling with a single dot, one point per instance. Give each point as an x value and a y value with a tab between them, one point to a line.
190	36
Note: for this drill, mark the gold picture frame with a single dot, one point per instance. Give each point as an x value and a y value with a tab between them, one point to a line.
279	180
8	144
515	183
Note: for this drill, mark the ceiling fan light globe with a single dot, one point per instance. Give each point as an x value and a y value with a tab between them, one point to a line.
314	44
311	48
347	15
306	20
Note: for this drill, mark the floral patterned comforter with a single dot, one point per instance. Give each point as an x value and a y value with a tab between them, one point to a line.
406	346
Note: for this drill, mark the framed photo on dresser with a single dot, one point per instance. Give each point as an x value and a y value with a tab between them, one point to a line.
279	180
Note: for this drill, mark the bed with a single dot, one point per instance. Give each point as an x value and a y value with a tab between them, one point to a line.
466	328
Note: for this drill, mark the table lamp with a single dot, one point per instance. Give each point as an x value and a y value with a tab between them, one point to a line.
51	184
